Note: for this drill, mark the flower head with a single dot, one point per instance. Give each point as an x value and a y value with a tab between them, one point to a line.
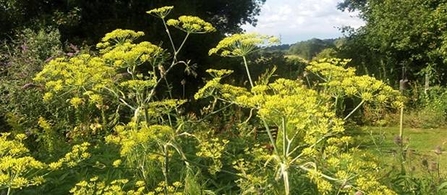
239	45
161	12
191	24
119	36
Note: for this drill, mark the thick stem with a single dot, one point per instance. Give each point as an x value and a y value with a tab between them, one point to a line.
183	43
401	144
401	122
166	168
284	138
170	39
355	109
285	176
271	137
248	71
146	115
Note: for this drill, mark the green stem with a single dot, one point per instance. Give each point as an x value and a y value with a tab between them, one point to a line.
166	168
170	39
355	109
146	115
284	138
183	43
401	130
285	175
270	137
248	71
401	145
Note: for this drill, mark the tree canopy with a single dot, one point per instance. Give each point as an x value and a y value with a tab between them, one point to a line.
400	33
90	20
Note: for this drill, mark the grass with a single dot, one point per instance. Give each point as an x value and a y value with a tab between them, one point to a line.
418	146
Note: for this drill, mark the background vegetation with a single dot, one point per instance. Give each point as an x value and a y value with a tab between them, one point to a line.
96	100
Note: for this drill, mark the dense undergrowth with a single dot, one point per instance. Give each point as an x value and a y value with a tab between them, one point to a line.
105	121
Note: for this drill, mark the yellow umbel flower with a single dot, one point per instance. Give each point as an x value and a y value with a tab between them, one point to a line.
75	102
161	12
239	45
191	24
16	167
120	36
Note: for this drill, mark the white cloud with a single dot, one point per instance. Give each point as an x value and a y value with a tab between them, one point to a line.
297	20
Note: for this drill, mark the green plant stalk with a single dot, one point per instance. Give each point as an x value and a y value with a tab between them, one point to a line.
163	75
174	62
170	38
284	166
248	71
284	138
166	168
355	109
401	129
401	145
272	141
183	43
283	159
285	176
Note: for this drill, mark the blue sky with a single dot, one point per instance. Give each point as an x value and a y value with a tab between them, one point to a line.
298	20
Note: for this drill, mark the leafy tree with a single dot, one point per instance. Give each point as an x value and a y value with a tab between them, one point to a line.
399	34
84	22
352	5
91	19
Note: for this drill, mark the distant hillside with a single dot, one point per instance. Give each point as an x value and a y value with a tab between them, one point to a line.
282	47
310	48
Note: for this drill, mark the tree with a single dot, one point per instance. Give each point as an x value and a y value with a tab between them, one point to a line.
82	19
400	34
84	22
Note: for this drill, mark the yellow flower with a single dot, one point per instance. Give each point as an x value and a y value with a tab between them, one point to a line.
43	123
120	36
191	24
93	179
76	101
139	183
161	12
47	96
116	163
239	45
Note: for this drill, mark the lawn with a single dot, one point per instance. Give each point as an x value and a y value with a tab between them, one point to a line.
420	147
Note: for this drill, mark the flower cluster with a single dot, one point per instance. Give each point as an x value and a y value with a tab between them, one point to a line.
191	24
94	186
135	139
159	109
212	149
170	189
78	154
339	81
161	12
118	37
213	87
308	127
253	172
130	54
74	77
16	166
238	45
